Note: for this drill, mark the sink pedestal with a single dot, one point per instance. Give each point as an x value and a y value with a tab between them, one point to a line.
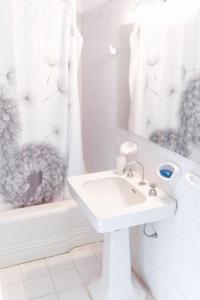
116	281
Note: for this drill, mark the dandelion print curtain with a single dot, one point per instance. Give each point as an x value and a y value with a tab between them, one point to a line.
165	80
40	137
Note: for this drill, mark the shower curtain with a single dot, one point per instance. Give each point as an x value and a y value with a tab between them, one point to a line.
40	136
165	78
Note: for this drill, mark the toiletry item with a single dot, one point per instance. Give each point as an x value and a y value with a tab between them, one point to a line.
129	148
121	163
169	172
166	173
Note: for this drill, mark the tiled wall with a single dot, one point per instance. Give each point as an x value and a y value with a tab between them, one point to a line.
169	265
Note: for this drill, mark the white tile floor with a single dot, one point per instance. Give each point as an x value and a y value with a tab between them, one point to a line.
62	277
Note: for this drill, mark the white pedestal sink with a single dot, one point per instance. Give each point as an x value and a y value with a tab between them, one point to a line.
113	204
116	282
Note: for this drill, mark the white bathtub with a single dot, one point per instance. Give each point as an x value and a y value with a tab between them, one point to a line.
36	232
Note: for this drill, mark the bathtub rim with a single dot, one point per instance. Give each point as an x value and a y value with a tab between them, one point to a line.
42	209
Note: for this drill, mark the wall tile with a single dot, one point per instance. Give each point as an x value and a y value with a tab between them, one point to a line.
189	280
191	240
172	229
174	294
170	265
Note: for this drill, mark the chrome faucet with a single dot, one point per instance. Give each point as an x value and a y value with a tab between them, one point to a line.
130	168
137	163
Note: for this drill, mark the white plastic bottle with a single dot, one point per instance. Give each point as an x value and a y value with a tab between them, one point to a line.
121	163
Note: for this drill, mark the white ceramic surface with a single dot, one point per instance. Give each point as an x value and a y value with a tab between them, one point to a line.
112	202
40	231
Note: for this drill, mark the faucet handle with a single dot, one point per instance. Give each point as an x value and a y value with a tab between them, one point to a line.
130	170
152	191
153	185
125	169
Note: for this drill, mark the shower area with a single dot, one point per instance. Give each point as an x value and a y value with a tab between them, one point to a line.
40	130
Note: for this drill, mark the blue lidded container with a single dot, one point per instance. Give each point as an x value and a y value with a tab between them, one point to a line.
166	173
169	171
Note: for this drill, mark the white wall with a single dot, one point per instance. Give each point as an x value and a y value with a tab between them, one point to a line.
170	265
84	5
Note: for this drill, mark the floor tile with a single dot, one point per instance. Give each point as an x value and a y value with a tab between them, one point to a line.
77	293
39	287
34	269
66	280
83	256
49	297
13	292
89	272
59	263
10	275
98	250
54	278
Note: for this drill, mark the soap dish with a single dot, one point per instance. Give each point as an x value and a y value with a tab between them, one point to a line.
169	171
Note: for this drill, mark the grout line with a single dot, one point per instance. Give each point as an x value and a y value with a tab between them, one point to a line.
142	284
50	274
41	297
82	283
76	269
178	250
87	291
98	258
73	268
26	294
165	276
55	294
68	290
87	264
65	269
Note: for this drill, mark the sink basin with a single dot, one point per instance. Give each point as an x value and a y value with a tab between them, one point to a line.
113	204
112	194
